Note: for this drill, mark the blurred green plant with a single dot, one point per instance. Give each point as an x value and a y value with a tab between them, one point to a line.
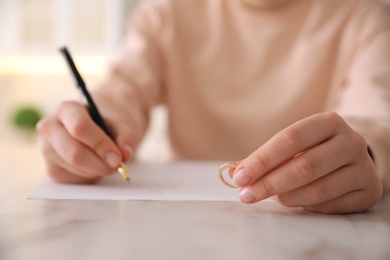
26	118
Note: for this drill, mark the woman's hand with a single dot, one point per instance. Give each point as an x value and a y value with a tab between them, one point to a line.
318	163
76	150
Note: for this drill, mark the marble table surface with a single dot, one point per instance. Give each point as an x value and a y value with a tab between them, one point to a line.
65	229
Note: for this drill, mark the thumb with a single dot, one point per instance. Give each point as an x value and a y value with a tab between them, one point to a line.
126	140
79	125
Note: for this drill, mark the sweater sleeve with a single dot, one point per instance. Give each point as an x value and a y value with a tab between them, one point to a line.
133	84
365	99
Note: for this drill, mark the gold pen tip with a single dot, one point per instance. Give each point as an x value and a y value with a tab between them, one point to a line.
124	172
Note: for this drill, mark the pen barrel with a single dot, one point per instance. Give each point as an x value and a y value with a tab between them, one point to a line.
85	96
97	118
92	109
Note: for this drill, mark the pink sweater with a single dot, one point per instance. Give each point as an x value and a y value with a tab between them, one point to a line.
231	77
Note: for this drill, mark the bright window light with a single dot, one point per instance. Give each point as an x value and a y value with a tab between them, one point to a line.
50	64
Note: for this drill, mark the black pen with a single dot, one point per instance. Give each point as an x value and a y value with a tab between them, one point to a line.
88	102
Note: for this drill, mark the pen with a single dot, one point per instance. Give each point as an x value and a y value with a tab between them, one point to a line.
88	102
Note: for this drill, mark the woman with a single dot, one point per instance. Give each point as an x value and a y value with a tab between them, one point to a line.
299	88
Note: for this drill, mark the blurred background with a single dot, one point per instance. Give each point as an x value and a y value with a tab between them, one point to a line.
33	76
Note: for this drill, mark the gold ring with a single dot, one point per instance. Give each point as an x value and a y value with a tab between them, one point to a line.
224	166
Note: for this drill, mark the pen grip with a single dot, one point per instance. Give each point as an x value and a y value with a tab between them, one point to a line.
93	111
95	115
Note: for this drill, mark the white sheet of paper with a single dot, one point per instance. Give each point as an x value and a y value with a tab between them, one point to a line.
175	181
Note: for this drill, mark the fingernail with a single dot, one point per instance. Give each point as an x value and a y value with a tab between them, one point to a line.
242	177
112	159
246	195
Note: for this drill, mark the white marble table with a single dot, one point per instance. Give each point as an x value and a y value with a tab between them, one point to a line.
38	229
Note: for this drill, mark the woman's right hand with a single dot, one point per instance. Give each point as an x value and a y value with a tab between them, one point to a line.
76	150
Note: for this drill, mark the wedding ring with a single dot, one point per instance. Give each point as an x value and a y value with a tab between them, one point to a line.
224	166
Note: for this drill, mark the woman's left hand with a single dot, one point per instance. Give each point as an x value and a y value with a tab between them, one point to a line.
318	163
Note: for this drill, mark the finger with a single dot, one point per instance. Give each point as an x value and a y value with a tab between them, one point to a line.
231	170
303	169
79	124
126	140
353	202
328	188
60	175
72	151
295	139
61	171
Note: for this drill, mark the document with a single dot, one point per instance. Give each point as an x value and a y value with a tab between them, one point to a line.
173	181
